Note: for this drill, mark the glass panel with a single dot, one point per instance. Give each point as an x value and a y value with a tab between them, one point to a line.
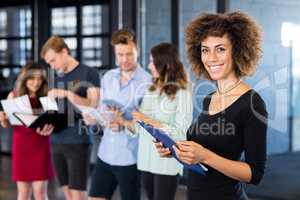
63	21
153	16
7	78
72	44
16	52
3	22
272	79
15	21
95	19
95	51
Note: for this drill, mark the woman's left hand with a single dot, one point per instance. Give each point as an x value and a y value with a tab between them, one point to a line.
138	116
191	152
46	130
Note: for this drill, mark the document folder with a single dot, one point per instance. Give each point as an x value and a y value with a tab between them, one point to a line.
168	143
58	120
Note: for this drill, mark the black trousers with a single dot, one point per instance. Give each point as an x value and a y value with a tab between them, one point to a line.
159	187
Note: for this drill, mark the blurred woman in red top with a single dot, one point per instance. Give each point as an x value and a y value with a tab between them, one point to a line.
31	158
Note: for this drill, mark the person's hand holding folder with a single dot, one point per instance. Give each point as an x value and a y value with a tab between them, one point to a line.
168	142
46	130
162	151
139	116
191	152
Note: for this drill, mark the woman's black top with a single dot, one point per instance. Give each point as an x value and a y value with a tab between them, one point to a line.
240	128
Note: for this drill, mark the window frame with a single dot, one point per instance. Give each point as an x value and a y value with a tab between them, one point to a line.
18	3
79	36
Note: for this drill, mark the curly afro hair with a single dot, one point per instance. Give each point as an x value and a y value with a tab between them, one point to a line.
243	32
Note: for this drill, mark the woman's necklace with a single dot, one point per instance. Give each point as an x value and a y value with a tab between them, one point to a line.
230	88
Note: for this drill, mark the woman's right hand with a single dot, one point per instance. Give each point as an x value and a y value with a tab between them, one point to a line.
88	119
3	119
163	152
3	116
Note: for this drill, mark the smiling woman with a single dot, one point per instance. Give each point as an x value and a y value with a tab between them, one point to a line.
224	48
216	56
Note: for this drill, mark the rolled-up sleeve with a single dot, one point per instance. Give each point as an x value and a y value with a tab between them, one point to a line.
255	131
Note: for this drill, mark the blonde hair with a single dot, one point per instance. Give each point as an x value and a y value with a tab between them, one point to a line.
55	43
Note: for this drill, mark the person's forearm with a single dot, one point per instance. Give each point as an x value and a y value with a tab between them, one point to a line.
237	170
76	99
155	123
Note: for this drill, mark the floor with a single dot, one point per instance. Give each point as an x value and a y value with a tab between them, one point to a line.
8	189
281	181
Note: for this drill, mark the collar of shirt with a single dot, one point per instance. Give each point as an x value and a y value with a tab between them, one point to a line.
134	75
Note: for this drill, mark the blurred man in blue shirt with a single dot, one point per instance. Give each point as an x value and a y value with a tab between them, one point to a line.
117	153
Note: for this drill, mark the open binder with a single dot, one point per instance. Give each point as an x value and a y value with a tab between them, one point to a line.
168	143
58	120
19	112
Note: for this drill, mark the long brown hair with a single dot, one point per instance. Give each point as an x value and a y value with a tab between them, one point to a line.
172	75
27	73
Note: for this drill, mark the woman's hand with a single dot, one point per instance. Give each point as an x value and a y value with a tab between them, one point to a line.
88	119
191	152
3	116
115	126
138	116
3	119
46	130
163	152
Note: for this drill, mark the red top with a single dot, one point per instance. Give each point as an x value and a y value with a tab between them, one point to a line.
31	157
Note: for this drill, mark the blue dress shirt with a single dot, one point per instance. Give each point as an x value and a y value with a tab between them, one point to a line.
119	148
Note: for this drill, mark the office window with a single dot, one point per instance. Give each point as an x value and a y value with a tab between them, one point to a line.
3	23
15	35
64	21
92	20
72	44
86	30
15	43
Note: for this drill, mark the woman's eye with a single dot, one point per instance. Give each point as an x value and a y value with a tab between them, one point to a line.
221	49
204	51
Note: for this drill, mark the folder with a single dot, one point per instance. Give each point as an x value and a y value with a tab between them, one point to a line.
19	112
17	104
125	110
58	120
102	116
168	143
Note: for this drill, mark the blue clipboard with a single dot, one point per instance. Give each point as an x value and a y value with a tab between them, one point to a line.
168	143
126	111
